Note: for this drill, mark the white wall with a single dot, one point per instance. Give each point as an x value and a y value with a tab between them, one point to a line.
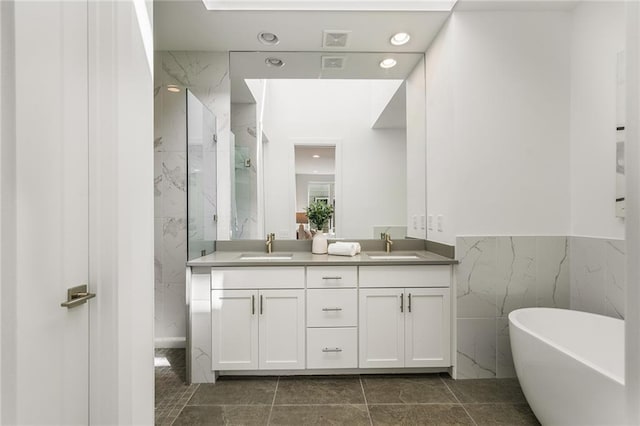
120	208
416	152
598	34
371	183
440	134
499	100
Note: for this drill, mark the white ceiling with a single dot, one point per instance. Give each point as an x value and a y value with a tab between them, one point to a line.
188	25
307	65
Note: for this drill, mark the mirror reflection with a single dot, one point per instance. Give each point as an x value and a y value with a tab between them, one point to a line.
339	138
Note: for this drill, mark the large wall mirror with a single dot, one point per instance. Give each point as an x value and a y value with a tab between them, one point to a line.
321	126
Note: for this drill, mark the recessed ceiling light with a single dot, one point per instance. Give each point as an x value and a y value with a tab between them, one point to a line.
274	62
400	38
268	38
315	156
173	88
388	63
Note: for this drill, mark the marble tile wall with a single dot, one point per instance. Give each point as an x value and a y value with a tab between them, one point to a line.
495	276
206	75
598	275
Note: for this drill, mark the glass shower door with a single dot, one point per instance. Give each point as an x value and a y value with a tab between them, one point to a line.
201	185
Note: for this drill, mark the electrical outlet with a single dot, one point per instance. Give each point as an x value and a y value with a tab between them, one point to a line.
440	220
430	222
421	221
415	222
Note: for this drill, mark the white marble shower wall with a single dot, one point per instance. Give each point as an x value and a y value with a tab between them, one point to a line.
170	215
206	75
495	276
598	275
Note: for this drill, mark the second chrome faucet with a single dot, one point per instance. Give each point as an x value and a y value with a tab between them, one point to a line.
269	243
387	241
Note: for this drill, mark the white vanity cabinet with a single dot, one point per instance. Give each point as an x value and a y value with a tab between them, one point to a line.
404	316
260	327
327	318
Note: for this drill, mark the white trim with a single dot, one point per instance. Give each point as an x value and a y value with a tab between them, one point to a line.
312	141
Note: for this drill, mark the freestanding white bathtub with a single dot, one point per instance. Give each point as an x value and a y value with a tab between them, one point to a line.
570	365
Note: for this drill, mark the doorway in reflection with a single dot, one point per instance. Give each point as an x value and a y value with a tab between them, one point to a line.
315	170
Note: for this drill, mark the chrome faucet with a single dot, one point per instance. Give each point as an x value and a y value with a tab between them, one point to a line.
387	241
270	238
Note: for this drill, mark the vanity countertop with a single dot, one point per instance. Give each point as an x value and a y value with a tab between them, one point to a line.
303	258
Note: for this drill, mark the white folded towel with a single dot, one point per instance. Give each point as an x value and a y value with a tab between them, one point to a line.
356	245
342	249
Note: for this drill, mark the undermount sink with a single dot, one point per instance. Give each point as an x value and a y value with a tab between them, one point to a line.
393	256
266	256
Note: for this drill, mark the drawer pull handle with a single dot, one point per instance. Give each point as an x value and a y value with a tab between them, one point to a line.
331	278
331	309
331	350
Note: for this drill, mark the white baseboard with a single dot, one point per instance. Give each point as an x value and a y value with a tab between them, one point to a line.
170	342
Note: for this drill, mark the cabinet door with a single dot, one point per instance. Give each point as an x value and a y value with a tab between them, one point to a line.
282	329
234	326
427	327
381	328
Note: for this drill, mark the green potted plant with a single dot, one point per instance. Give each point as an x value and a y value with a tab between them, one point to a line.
319	213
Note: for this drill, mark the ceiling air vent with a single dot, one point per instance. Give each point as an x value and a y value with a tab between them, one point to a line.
335	38
333	62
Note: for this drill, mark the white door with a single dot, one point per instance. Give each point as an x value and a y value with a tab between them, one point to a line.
282	329
381	328
234	326
52	230
427	324
51	348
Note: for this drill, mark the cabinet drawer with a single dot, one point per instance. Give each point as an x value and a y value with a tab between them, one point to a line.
332	276
257	277
332	307
405	276
332	347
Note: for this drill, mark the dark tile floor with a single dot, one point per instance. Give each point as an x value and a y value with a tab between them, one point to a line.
428	399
